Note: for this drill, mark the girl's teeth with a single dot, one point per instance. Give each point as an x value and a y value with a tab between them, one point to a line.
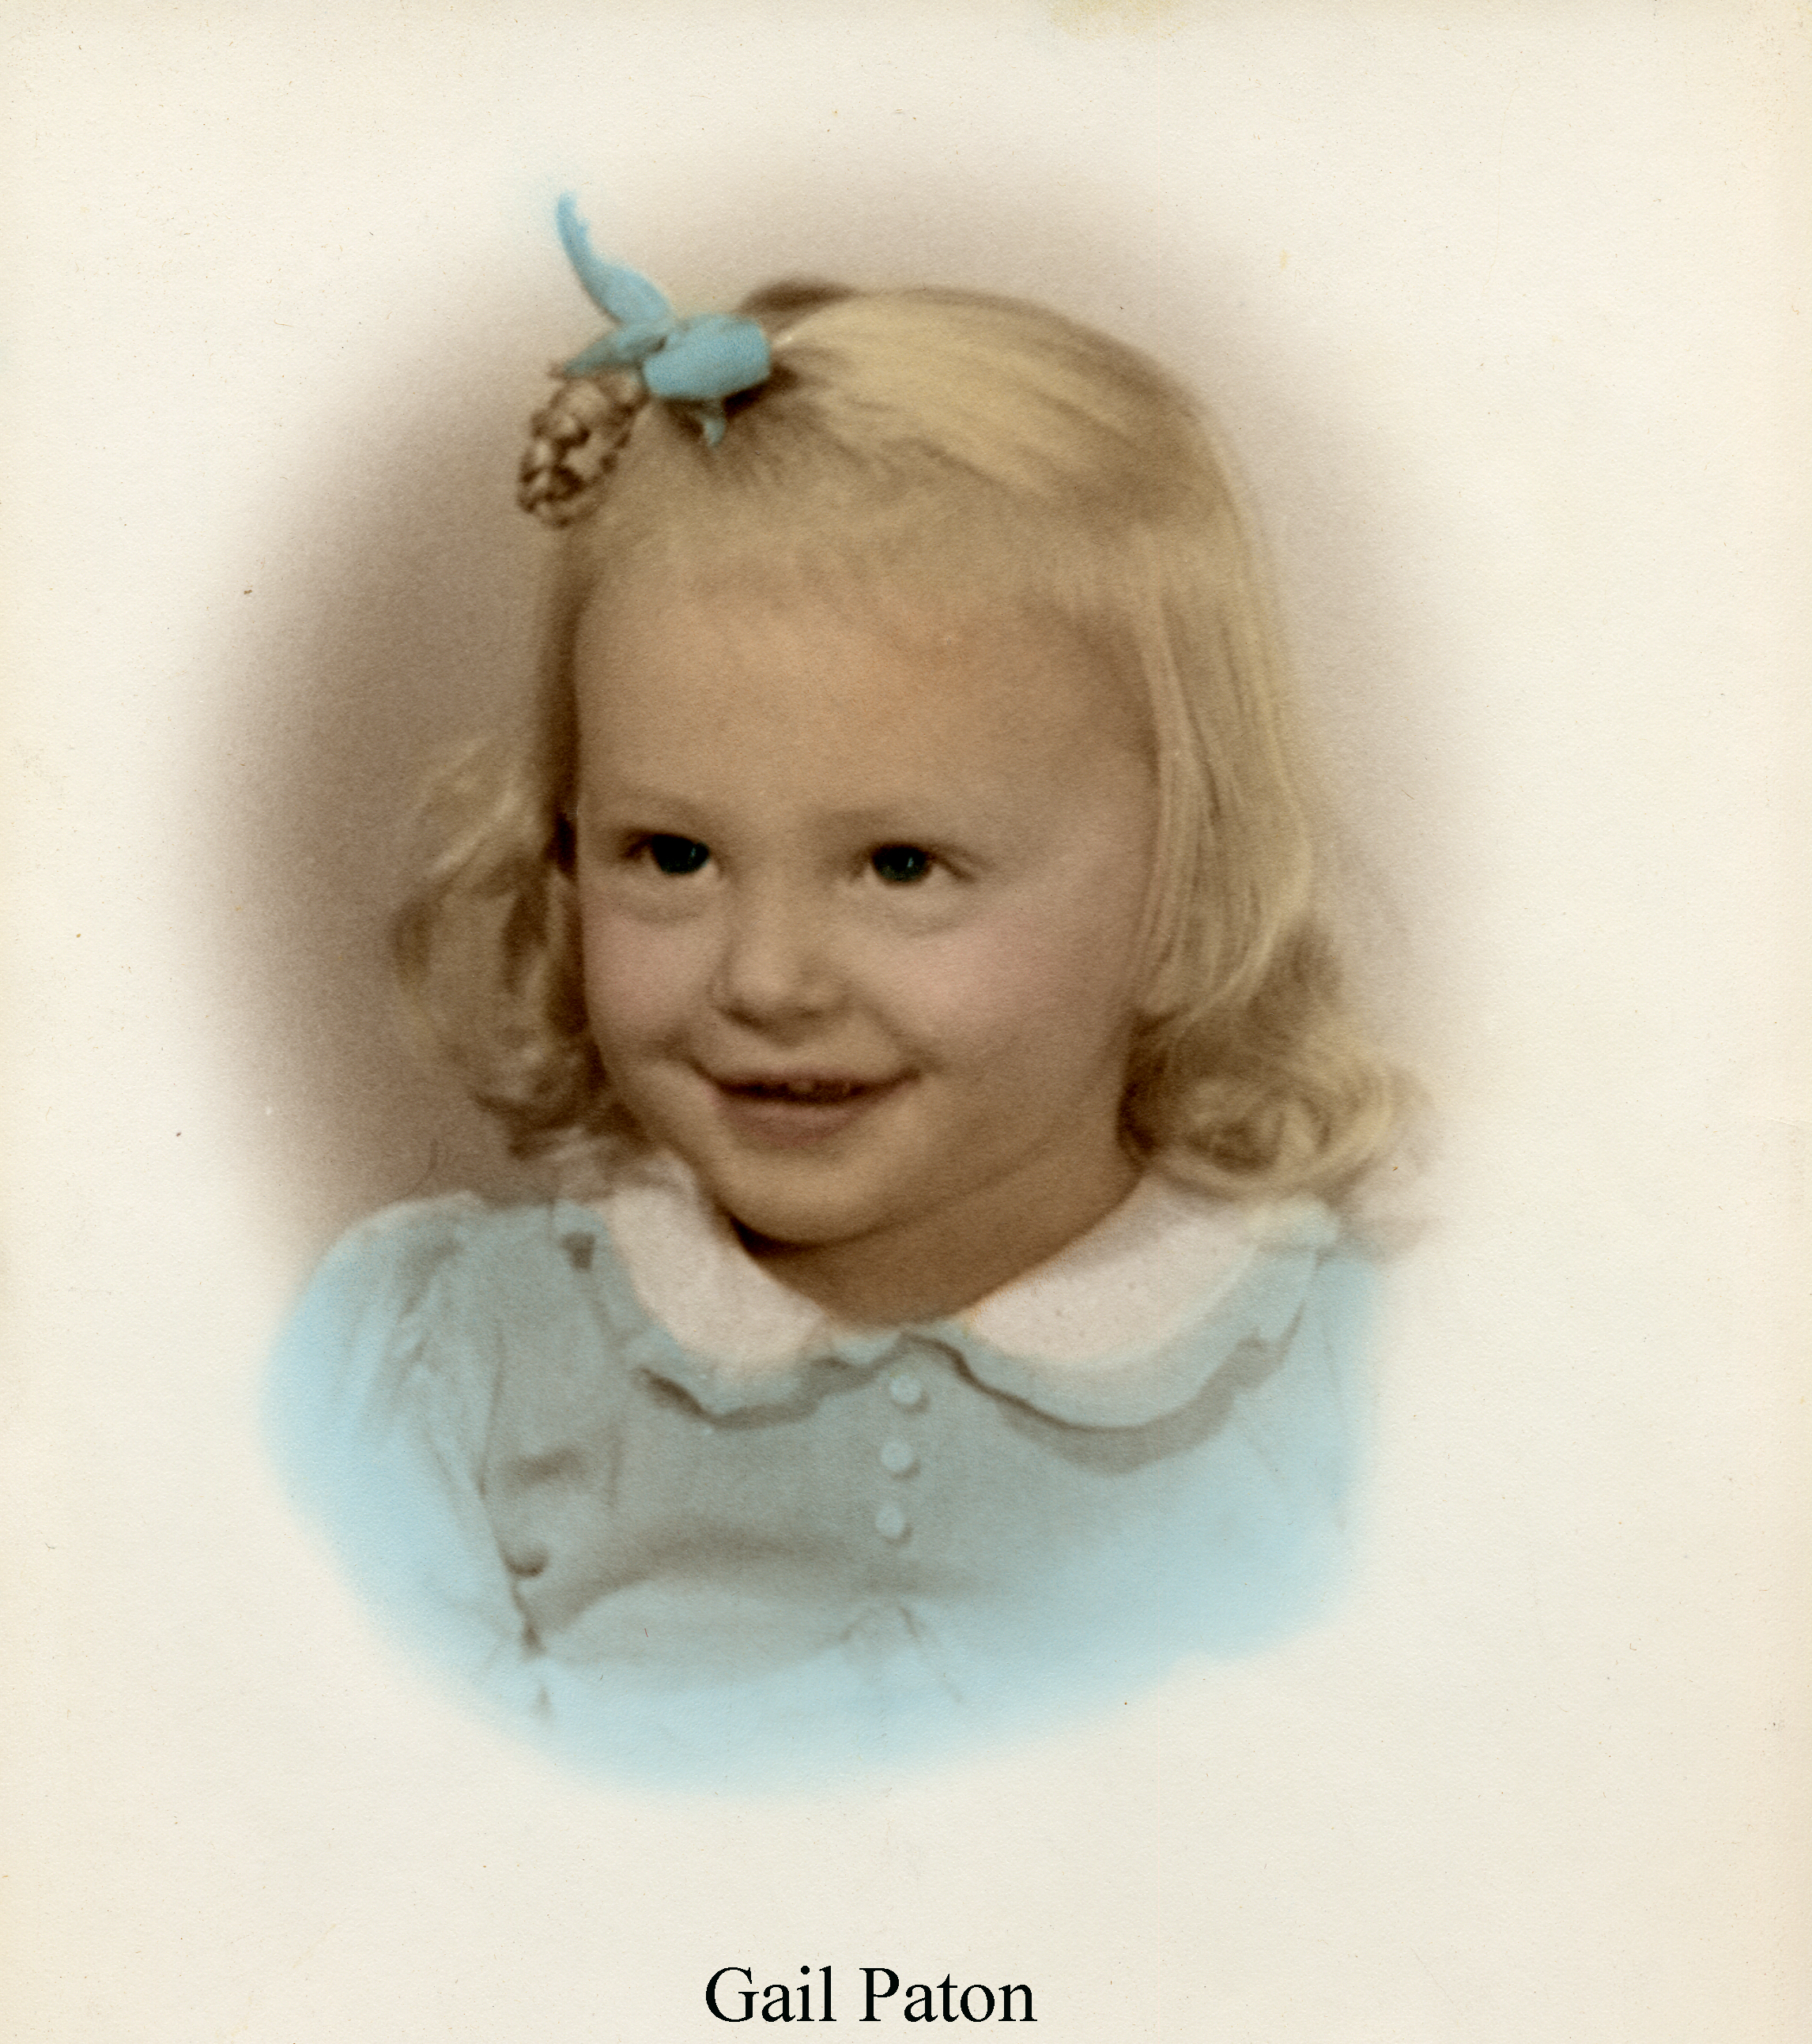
821	1094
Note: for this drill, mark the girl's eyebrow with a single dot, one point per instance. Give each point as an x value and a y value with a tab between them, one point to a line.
619	794
908	812
918	809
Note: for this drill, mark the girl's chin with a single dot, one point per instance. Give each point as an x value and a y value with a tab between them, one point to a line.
770	1225
788	1205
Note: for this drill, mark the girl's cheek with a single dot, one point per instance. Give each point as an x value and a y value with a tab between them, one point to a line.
640	978
1013	978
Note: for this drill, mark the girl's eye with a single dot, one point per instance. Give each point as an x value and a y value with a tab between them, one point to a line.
675	855
900	864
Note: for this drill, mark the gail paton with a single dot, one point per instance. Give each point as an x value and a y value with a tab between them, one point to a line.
732	1997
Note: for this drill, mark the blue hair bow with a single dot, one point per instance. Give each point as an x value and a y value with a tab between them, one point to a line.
699	361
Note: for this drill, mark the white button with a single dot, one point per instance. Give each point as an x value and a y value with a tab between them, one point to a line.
891	1522
898	1458
905	1389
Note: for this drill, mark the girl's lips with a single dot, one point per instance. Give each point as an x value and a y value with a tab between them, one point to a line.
792	1112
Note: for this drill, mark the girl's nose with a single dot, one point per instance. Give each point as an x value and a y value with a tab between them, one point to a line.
774	964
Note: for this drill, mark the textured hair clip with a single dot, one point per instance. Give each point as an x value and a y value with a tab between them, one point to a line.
694	363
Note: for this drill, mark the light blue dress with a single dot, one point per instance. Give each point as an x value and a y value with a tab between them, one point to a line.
768	1549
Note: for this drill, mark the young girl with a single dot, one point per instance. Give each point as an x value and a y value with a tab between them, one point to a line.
896	931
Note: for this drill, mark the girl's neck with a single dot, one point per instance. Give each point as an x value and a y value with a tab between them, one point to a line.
949	1258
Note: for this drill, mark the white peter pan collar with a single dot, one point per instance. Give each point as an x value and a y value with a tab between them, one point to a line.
1077	1334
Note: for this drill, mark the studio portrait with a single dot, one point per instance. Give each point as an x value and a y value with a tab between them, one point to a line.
895	925
903	1035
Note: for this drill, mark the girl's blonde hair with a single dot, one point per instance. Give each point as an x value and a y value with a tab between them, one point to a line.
950	450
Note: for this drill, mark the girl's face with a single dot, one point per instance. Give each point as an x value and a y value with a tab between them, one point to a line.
861	913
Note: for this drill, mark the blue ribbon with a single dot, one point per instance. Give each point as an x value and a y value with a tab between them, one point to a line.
697	361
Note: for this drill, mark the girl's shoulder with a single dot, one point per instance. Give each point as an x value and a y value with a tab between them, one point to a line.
384	1267
1131	1323
411	1233
433	1284
399	1252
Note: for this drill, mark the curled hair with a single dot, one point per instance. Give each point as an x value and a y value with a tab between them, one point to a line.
947	447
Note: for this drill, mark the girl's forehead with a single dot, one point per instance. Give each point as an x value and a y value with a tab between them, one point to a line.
925	602
914	628
804	571
891	560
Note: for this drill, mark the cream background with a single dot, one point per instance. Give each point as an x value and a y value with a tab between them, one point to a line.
1503	306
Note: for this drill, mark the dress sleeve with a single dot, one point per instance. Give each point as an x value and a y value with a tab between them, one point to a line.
378	1406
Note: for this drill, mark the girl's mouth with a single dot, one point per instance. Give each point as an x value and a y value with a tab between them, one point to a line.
790	1112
